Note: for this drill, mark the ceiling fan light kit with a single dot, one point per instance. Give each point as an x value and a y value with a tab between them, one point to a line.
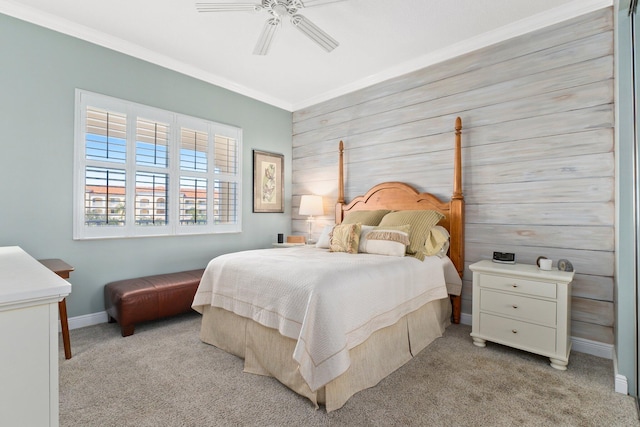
278	9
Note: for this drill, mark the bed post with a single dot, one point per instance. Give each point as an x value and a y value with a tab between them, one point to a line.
456	252
340	202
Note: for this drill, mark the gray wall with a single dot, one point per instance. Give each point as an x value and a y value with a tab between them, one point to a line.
39	71
626	282
538	156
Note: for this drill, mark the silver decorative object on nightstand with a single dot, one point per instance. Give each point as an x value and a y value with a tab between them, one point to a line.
565	265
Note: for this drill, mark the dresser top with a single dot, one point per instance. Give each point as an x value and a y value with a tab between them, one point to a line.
24	279
522	270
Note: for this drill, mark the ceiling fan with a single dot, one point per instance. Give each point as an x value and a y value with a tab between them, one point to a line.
278	9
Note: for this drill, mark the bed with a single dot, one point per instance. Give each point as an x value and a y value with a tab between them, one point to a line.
325	322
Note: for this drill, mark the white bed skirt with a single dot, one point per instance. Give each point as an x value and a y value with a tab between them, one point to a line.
266	352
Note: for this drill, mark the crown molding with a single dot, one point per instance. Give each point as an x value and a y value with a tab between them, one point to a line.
553	16
515	29
82	32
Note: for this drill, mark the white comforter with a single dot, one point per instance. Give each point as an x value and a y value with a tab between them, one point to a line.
328	302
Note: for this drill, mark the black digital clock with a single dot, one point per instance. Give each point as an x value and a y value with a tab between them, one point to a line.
504	257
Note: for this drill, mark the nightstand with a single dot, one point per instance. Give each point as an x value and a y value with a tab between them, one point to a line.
523	307
287	245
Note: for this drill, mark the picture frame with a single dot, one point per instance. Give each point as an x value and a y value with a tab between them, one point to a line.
268	182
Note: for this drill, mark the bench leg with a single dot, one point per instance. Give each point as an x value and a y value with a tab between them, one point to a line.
127	330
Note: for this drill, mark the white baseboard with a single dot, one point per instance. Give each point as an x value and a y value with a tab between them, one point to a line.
621	385
86	320
620	381
465	319
592	347
577	344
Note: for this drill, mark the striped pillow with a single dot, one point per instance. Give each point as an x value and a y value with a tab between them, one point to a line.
365	217
420	223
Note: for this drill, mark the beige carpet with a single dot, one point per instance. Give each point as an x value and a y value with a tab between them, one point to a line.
156	378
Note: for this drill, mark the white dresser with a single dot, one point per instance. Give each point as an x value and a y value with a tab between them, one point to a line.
29	295
523	307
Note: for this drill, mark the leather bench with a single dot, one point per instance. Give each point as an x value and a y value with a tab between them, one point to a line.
132	301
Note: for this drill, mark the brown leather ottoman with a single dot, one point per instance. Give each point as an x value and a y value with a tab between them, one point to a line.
146	298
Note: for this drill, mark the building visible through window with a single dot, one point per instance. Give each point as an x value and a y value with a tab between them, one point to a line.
153	172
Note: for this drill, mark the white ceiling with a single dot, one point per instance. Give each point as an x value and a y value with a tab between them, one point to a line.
378	39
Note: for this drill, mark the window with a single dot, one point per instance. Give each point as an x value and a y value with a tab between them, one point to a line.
142	171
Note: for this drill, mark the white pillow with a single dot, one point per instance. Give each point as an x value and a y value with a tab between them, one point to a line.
391	241
385	247
324	241
364	230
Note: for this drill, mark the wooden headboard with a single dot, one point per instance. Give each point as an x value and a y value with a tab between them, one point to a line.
401	196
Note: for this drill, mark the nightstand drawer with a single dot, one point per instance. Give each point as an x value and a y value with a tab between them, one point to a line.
519	334
520	307
514	284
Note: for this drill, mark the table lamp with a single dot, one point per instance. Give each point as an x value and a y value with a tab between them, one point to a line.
311	205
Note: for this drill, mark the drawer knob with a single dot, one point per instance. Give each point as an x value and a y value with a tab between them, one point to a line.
514	285
515	331
514	306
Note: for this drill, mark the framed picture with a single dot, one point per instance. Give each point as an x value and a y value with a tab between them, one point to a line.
268	184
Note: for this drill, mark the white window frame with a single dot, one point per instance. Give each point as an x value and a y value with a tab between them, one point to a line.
176	121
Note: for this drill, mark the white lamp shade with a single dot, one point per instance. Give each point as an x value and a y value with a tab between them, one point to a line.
311	205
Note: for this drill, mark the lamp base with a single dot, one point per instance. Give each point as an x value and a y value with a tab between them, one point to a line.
310	240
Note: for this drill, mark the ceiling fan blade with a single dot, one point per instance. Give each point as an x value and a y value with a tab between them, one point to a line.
266	37
312	31
228	7
312	3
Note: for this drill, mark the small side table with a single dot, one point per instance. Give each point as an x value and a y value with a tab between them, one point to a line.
62	269
523	307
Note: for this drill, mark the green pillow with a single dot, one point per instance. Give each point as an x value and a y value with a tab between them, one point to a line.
365	217
420	222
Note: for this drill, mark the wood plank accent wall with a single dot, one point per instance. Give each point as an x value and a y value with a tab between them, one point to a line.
538	138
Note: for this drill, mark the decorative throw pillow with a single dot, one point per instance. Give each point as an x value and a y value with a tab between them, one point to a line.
365	217
389	240
364	231
324	241
421	221
437	242
345	238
